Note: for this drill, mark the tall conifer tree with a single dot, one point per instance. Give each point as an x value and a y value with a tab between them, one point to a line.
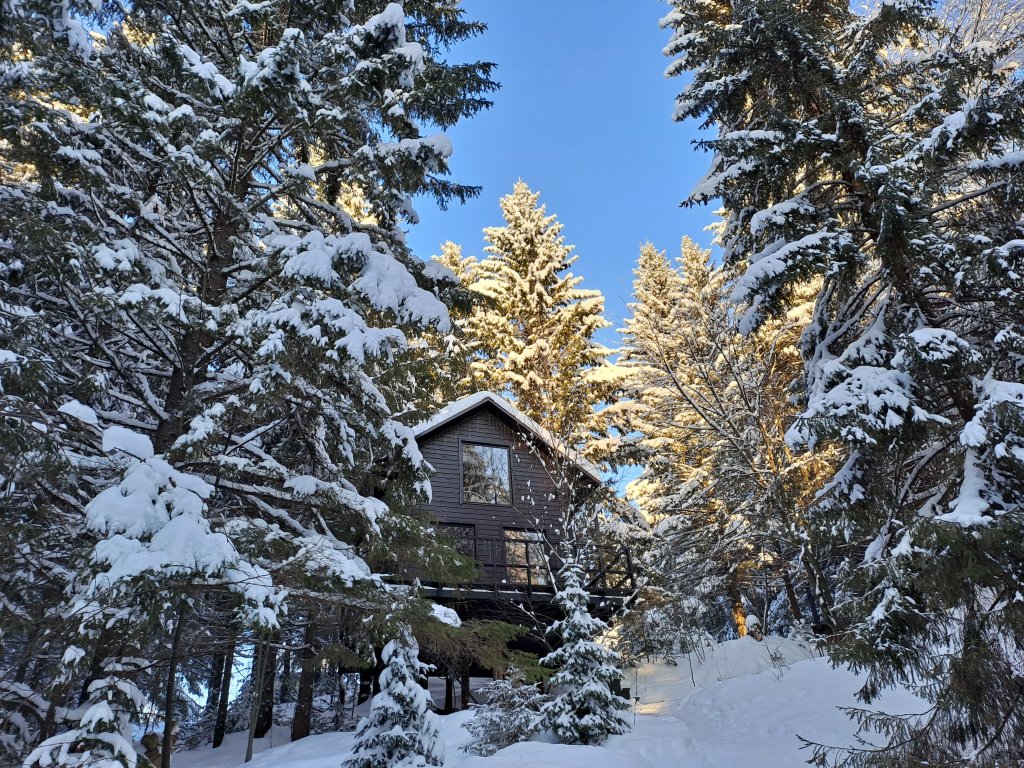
707	409
195	319
866	149
532	334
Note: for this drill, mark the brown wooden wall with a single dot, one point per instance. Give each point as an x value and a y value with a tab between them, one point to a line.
531	484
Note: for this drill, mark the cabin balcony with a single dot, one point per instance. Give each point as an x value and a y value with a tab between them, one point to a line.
516	567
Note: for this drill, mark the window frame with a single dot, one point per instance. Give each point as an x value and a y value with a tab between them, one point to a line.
462	473
532	539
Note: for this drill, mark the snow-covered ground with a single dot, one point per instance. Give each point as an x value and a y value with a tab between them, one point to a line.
741	703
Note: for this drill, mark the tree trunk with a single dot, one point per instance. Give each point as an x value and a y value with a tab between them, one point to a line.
261	648
365	685
192	368
167	743
213	684
812	601
449	693
301	721
787	581
285	690
819	582
265	719
95	666
739	613
377	669
464	690
341	696
220	722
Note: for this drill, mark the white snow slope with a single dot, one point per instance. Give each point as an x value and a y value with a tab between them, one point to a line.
742	703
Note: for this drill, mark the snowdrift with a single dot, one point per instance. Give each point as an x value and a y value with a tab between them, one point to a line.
740	702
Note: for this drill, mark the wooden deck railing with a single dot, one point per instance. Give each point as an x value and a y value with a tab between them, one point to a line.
522	565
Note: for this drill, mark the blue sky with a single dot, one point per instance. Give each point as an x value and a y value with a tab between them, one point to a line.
584	116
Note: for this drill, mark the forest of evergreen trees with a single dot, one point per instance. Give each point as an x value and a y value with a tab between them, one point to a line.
215	344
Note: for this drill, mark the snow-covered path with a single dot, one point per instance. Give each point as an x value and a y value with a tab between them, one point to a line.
744	703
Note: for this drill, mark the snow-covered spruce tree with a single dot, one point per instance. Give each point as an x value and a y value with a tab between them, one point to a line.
156	544
509	714
532	335
584	710
400	731
102	735
868	150
693	554
706	410
584	549
179	265
440	359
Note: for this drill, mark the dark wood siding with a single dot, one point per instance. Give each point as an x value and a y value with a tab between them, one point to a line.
534	499
508	569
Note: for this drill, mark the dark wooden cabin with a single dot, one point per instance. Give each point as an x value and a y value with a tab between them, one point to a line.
495	491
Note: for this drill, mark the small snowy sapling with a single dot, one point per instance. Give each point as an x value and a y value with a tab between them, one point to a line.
400	731
511	714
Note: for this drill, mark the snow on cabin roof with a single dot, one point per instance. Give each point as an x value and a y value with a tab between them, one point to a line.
464	405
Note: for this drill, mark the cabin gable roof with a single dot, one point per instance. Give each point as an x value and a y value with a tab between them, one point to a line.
470	404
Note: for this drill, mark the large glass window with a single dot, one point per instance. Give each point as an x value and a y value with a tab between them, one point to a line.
524	557
486	478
